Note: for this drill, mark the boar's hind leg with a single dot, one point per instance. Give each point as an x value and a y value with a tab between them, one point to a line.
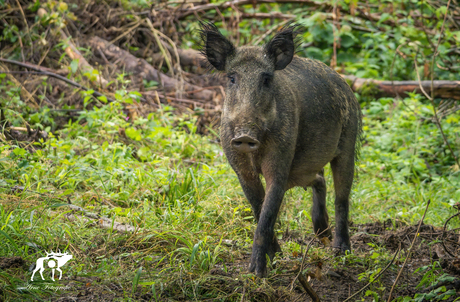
343	172
319	211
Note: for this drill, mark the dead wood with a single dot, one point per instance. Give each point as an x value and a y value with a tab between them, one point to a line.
310	291
140	67
19	134
409	252
441	89
84	66
187	57
45	71
104	223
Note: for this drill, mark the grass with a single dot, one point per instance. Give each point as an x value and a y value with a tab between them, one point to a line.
177	189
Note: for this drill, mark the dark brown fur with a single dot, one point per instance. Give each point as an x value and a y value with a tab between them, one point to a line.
303	114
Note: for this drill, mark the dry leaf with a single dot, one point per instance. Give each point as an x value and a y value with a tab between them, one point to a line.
325	241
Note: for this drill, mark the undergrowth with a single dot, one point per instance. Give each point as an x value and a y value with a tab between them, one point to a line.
176	188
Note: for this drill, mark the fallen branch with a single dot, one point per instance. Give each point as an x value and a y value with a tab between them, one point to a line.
444	233
275	15
84	66
143	69
308	288
102	222
409	252
24	92
51	74
441	89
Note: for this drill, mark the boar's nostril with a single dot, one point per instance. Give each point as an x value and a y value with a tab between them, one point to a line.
245	144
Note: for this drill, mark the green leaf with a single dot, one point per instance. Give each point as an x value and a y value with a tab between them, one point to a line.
194	251
19	152
34	7
11	240
133	134
347	40
102	98
143	153
74	66
136	278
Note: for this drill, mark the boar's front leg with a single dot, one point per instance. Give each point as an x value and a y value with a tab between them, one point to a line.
255	193
253	190
265	242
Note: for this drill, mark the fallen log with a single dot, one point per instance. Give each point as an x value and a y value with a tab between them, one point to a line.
187	57
44	71
442	89
143	69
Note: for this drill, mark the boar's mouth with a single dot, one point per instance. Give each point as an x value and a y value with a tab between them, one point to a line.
245	144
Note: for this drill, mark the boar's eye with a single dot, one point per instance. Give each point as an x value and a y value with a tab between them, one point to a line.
266	78
232	78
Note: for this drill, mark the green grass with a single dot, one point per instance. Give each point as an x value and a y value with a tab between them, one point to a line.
175	186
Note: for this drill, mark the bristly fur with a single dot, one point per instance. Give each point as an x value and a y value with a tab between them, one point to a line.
210	34
289	31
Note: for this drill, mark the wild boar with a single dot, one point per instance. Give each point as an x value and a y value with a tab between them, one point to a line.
285	117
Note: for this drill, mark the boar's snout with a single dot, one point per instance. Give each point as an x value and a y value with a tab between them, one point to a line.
245	144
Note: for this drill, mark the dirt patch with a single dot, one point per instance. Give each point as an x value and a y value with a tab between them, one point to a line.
333	278
11	262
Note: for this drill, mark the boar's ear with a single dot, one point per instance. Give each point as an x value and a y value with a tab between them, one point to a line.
282	47
215	47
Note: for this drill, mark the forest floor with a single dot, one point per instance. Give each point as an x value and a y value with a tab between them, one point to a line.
109	151
333	279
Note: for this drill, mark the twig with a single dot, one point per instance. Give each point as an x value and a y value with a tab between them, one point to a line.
335	26
376	277
127	32
268	32
162	49
308	288
303	261
18	84
409	252
27	26
275	15
51	74
444	232
418	78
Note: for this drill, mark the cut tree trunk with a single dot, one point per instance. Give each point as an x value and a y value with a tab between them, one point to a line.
442	89
144	70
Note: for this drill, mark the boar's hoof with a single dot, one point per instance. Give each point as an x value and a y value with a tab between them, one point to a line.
245	144
341	248
259	268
